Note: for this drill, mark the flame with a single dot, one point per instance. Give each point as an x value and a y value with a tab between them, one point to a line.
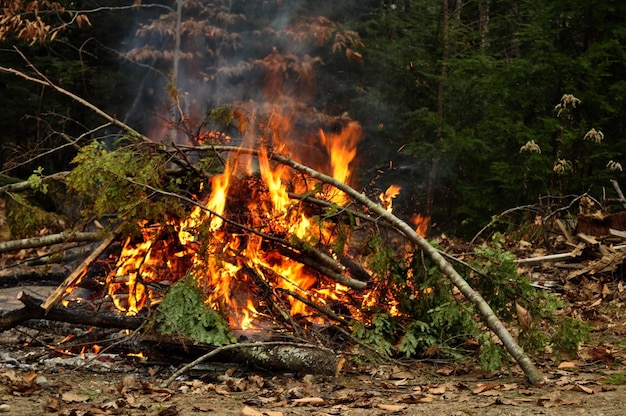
342	150
218	197
421	224
244	275
386	198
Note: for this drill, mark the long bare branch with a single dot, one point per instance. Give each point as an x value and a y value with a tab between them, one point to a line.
48	240
530	370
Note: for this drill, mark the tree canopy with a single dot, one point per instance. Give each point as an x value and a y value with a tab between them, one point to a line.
472	107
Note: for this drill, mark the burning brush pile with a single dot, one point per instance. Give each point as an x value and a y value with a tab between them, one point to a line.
269	248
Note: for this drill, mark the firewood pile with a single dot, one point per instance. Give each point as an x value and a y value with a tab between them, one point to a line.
587	263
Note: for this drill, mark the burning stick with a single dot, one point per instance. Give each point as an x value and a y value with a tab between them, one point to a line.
33	310
60	291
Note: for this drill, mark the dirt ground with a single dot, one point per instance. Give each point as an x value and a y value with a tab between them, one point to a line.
94	391
36	380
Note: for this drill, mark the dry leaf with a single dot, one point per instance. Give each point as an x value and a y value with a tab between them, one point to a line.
481	388
445	371
29	377
523	316
567	365
248	411
74	397
578	387
272	413
311	401
391	407
437	390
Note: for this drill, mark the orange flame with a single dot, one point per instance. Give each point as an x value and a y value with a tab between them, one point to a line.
342	150
386	198
421	223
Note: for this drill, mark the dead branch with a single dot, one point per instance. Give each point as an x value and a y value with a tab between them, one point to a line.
490	318
33	310
56	296
27	186
48	240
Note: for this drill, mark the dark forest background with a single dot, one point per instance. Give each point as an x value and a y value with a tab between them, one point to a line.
473	107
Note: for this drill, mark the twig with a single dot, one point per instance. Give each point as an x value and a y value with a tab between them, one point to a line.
315	306
620	194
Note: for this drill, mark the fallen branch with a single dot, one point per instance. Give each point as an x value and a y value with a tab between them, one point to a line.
48	240
26	185
60	291
33	310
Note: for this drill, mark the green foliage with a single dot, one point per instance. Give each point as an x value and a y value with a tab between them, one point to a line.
502	285
569	334
617	378
492	355
116	182
378	334
26	218
183	312
36	183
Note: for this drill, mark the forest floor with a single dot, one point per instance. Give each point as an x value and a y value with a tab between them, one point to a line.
35	381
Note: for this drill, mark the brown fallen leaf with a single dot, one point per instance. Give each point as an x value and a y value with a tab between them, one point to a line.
248	411
272	413
71	397
391	407
311	401
445	371
437	390
29	377
567	365
523	316
483	387
579	387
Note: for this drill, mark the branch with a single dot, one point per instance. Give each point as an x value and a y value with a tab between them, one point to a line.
47	240
32	310
58	293
46	82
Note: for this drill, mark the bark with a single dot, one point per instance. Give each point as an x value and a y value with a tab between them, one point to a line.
276	355
48	240
33	310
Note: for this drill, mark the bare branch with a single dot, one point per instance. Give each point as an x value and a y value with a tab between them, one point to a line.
48	240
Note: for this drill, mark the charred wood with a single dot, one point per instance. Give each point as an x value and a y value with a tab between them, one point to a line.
33	310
